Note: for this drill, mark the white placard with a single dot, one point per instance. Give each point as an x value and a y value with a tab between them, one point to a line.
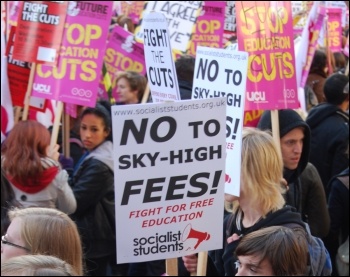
160	66
223	73
37	102
169	172
180	15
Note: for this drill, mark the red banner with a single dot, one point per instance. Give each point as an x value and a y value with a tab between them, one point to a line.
39	31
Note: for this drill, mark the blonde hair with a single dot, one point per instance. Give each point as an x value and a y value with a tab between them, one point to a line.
261	170
51	232
36	265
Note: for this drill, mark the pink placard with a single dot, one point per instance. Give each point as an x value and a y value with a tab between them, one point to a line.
334	30
265	31
314	31
123	53
209	26
75	79
132	9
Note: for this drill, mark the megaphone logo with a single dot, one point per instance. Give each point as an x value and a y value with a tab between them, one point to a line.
190	233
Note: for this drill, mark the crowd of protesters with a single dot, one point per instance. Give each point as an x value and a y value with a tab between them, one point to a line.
58	213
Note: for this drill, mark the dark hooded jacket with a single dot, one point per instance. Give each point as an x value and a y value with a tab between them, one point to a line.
93	188
329	140
305	191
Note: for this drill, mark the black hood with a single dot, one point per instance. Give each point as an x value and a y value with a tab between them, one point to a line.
322	111
289	120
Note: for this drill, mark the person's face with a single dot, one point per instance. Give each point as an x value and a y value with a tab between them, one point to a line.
292	146
126	95
92	131
13	235
250	266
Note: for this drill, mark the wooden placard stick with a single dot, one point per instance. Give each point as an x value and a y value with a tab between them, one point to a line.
56	125
66	134
18	111
201	264
275	128
145	94
171	267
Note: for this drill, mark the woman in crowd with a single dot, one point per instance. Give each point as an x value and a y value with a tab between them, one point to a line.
318	74
36	265
93	188
305	189
272	251
42	231
259	205
33	169
130	87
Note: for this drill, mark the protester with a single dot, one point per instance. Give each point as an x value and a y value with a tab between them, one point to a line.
36	265
42	231
318	74
8	201
329	124
93	188
130	87
184	66
259	205
272	251
33	169
340	62
338	206
305	190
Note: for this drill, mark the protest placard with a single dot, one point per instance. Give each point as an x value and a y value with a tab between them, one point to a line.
265	31
132	9
300	10
180	15
334	30
345	10
39	31
75	79
311	32
230	25
123	53
222	73
161	71
170	163
208	29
